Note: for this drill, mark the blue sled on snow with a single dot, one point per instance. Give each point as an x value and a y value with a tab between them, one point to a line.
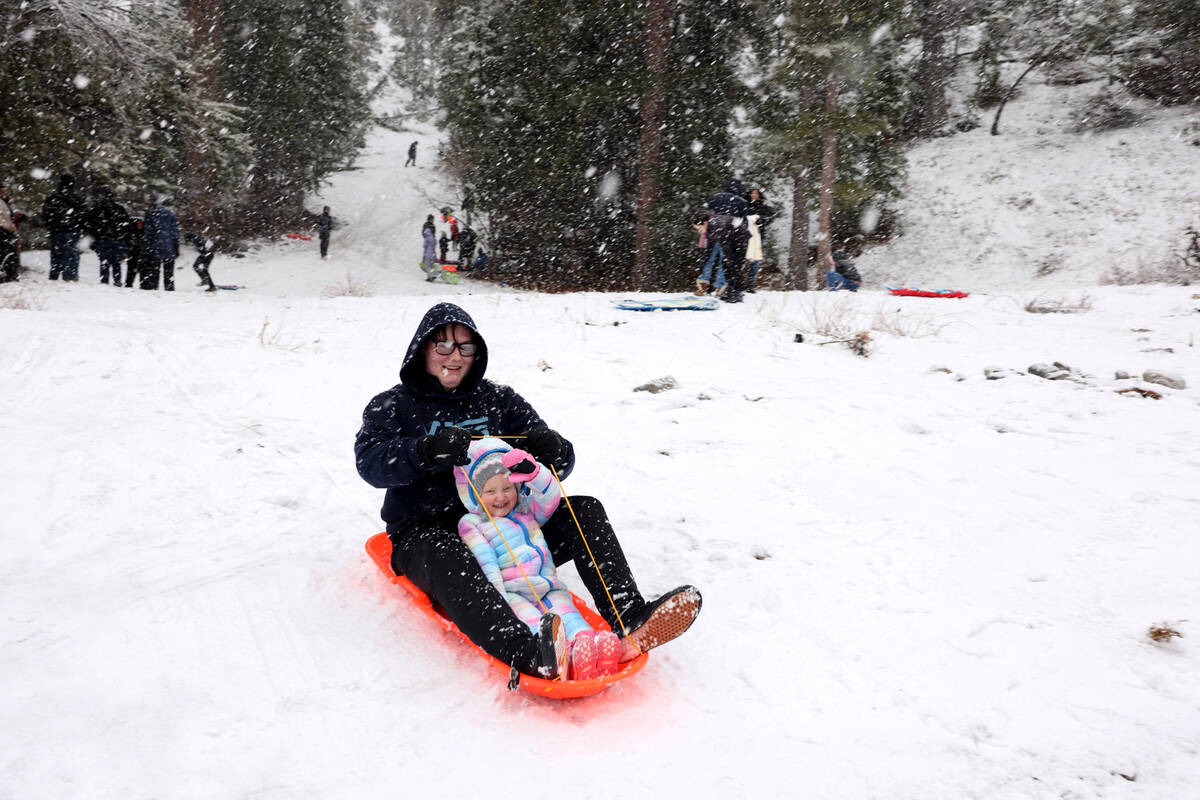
685	303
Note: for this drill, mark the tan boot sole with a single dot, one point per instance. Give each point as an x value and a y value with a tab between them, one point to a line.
667	622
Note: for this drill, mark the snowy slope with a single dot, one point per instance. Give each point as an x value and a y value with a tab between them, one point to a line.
918	584
1040	207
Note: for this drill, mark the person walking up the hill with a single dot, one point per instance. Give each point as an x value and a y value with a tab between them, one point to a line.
324	226
412	155
412	437
63	215
160	238
107	223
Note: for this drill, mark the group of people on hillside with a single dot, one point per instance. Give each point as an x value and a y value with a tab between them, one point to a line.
146	247
435	249
731	228
731	231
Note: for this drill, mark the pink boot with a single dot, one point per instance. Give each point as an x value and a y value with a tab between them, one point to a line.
583	657
608	652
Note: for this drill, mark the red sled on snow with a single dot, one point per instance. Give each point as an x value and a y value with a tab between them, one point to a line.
379	548
303	236
904	291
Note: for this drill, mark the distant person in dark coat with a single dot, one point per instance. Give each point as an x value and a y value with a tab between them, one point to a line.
760	215
205	249
412	155
160	236
466	246
135	265
443	246
728	230
108	224
10	253
324	226
843	275
63	215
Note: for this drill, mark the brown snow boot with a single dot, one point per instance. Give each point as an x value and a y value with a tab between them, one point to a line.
665	619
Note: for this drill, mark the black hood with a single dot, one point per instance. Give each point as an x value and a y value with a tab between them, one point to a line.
412	372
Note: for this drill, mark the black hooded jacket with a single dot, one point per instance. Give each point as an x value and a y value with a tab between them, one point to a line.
730	202
385	449
64	210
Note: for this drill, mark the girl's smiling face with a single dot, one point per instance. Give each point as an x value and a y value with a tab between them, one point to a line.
498	495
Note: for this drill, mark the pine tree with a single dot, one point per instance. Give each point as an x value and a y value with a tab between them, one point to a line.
293	68
543	112
104	89
831	108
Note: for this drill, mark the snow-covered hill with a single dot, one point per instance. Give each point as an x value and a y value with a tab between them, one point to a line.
1041	206
919	583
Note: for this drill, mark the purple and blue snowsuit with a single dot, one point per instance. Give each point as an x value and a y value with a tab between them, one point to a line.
511	549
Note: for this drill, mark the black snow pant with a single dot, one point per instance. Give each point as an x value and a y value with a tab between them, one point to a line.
733	243
150	269
323	236
431	555
133	269
201	267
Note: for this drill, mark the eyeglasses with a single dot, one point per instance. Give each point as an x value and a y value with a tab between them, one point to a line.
465	349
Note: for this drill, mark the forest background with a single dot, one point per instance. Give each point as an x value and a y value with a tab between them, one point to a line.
583	135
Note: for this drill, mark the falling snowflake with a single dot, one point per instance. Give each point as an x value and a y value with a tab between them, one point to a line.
610	184
82	81
869	219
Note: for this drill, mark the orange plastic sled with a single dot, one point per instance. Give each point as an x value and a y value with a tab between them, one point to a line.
379	548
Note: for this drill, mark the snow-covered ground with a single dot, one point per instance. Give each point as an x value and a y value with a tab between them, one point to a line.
918	583
1040	207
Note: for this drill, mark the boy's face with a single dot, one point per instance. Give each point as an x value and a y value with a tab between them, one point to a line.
450	370
499	495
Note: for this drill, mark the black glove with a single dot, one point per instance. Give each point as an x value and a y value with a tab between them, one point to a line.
545	445
523	467
447	447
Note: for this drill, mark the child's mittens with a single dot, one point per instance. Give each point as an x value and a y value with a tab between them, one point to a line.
520	465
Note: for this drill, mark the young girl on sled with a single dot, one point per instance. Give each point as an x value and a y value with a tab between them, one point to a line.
508	495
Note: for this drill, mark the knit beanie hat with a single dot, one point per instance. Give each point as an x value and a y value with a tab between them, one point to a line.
489	467
485	464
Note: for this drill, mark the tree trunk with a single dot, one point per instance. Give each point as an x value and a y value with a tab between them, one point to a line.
828	174
205	19
797	274
1039	59
658	35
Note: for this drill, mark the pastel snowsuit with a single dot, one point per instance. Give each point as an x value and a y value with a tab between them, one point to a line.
530	584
